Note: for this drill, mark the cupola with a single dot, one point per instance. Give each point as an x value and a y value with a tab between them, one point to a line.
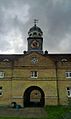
35	31
35	39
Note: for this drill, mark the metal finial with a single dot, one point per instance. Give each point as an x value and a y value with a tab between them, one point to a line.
35	21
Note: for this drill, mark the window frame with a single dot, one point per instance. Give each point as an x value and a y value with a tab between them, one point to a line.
68	74
34	74
2	74
1	91
69	91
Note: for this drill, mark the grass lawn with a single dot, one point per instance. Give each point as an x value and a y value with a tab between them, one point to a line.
58	112
53	112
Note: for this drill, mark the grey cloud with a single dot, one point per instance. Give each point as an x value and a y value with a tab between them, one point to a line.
54	19
13	16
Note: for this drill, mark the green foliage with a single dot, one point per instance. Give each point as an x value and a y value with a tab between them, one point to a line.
57	112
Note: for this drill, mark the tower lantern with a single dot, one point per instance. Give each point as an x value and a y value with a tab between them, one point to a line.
35	39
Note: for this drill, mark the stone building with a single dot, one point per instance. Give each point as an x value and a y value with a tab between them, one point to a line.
35	78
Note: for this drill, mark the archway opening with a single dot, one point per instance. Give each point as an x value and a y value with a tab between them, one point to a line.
34	97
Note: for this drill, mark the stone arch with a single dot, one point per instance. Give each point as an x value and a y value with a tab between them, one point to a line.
34	97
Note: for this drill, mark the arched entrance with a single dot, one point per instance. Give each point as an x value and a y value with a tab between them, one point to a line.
34	97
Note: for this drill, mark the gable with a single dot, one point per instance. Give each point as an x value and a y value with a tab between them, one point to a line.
33	59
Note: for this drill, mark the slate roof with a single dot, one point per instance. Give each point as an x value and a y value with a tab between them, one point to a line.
56	57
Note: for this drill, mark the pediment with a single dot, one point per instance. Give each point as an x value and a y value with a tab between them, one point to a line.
33	59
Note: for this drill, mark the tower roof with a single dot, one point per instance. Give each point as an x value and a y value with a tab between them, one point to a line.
35	28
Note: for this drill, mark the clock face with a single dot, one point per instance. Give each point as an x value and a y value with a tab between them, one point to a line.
35	44
34	60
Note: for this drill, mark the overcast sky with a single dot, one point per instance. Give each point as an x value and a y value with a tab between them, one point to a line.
17	16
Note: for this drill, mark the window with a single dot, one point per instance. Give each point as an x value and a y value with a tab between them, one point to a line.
1	91
30	35
34	74
34	33
69	91
64	60
1	74
39	34
68	74
6	60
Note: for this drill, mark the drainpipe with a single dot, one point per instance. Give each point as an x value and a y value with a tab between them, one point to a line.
58	101
12	78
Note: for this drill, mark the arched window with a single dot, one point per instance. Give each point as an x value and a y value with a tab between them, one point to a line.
34	33
30	35
39	34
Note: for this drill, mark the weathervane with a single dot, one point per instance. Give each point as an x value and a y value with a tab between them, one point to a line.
35	22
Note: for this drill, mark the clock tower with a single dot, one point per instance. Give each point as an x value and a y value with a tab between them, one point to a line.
35	39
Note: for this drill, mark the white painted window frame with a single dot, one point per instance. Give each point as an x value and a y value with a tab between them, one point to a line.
69	92
2	74
68	74
33	74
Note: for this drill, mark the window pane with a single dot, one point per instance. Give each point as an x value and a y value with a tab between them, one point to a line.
0	93
34	74
68	74
67	88
0	87
68	93
1	74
